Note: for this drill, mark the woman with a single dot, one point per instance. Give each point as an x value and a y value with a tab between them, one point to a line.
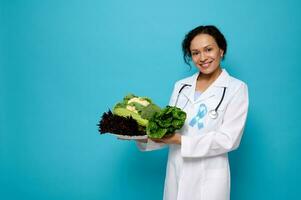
216	105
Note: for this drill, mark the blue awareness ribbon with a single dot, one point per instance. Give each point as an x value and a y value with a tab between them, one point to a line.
198	119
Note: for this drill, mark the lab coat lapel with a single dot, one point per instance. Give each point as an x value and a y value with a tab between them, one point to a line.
189	93
221	81
214	88
210	92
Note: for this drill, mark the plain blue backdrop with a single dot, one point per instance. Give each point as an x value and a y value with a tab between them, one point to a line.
63	63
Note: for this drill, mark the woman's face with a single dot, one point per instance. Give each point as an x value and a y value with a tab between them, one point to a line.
205	53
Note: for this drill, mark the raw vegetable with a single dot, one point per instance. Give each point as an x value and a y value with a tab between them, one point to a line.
140	108
140	116
165	122
129	117
123	112
119	125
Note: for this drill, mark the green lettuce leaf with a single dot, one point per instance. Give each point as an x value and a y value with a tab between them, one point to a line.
165	122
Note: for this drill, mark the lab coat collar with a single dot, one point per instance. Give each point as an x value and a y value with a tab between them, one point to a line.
220	82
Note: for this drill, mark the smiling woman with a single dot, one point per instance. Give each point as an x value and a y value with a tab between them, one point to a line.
205	53
206	46
198	166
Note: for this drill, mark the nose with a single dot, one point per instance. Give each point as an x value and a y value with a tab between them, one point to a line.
203	57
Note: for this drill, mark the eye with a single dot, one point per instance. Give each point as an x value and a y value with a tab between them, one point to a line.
194	53
208	50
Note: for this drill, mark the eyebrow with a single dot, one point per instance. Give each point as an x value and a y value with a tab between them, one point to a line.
202	47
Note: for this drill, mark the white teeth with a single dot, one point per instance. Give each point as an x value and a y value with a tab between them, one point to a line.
206	64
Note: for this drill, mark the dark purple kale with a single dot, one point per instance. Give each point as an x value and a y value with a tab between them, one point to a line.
110	123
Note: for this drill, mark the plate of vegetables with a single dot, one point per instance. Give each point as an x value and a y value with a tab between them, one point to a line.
138	117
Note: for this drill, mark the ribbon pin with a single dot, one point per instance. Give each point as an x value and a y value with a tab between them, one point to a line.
198	119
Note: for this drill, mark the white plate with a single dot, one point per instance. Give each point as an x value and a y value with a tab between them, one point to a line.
129	137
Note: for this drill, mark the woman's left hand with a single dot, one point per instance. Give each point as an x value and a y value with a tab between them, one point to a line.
172	139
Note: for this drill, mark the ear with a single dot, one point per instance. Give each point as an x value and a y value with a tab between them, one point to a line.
221	52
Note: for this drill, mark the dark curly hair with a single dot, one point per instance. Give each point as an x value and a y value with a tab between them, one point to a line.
210	30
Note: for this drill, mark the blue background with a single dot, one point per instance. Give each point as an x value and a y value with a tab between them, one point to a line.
63	63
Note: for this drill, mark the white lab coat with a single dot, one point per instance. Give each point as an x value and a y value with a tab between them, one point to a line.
198	169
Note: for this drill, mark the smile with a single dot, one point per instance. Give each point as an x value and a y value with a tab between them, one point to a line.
206	64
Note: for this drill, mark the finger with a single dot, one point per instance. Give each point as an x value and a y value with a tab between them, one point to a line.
168	136
156	140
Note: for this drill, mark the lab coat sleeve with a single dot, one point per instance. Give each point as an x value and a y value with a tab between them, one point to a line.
227	137
150	145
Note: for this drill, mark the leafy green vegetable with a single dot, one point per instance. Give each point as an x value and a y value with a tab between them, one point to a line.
149	111
123	112
149	118
165	122
140	109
